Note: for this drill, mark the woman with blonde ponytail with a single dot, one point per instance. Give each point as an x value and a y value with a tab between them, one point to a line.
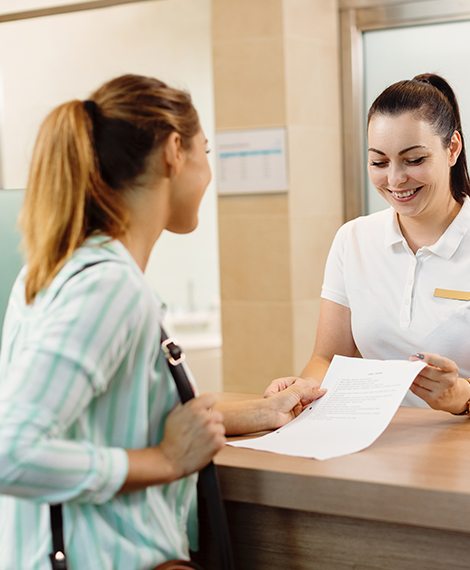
90	414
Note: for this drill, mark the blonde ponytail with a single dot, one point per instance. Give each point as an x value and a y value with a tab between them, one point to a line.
63	177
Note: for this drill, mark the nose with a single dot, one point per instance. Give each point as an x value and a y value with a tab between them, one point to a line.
396	175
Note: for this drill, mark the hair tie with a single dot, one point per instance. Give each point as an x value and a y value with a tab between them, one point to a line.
91	108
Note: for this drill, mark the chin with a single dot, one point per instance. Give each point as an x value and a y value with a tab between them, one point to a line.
183	228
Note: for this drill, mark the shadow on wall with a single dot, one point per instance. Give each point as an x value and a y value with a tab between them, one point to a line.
10	256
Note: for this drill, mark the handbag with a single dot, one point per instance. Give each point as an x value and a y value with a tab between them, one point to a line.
208	487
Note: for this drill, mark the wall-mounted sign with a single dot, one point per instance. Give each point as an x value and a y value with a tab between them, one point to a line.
251	161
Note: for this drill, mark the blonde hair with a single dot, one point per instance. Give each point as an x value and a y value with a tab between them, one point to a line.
86	157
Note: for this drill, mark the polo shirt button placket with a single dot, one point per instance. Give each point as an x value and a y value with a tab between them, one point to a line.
405	318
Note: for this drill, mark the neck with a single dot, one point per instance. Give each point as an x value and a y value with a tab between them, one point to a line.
148	219
426	228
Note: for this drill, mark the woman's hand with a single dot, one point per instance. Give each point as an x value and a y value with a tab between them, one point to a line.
440	385
261	414
287	397
280	384
194	433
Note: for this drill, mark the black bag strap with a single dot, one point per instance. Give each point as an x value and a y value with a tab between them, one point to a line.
57	556
208	483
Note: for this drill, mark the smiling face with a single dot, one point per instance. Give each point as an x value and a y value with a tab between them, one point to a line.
408	164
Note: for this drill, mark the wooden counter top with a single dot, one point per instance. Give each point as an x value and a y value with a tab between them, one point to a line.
416	473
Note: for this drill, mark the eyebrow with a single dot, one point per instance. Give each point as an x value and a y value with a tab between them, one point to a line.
401	152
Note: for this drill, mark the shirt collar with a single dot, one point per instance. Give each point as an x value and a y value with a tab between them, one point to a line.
449	241
116	249
393	233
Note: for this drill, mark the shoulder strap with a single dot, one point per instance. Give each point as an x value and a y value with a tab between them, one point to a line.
62	279
208	483
57	556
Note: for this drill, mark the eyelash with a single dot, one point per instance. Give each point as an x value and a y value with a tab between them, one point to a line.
208	150
414	162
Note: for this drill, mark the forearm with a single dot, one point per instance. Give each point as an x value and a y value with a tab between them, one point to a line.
148	467
316	368
247	416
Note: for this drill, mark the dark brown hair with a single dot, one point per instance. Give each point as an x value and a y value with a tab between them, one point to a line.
86	157
431	99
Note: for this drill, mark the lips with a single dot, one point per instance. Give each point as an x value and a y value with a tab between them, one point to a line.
405	195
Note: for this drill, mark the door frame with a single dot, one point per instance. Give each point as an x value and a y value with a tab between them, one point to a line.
63	9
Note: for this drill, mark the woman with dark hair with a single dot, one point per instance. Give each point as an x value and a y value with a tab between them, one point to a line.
397	282
89	411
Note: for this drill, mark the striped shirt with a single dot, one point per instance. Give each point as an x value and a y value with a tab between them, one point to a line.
82	377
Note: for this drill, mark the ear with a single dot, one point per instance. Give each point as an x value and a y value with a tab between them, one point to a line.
173	154
455	148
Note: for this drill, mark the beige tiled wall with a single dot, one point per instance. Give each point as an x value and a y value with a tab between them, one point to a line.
276	64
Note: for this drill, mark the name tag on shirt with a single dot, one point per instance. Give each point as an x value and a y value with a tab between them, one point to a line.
452	294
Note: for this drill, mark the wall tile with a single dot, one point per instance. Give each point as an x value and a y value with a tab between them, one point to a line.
305	318
312	83
246	19
255	258
257	341
249	83
253	205
315	177
311	238
311	18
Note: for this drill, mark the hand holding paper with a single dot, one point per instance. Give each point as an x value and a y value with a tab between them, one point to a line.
363	396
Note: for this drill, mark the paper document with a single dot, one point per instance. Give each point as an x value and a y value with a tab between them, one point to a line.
362	398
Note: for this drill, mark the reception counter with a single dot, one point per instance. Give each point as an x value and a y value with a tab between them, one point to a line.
403	503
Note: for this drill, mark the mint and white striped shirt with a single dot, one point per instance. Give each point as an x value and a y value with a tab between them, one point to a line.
82	377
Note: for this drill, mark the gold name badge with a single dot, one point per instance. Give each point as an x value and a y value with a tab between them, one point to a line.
452	294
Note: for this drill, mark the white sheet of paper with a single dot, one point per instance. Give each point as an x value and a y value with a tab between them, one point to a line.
363	396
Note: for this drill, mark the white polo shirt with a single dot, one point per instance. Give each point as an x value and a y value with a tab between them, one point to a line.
390	290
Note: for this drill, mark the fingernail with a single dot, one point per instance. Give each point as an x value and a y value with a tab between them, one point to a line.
419	355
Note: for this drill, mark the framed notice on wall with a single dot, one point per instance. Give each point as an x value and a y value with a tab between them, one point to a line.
251	161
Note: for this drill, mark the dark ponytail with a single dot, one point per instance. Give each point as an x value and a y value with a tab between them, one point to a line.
432	99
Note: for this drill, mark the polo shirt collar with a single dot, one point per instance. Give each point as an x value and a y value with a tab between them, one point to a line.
446	245
393	233
450	240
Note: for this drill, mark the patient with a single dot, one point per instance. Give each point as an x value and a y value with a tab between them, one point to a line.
396	282
90	414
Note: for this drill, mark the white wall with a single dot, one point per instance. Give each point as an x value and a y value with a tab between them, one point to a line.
45	61
396	54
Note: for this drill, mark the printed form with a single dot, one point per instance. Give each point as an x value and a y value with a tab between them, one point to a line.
362	398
